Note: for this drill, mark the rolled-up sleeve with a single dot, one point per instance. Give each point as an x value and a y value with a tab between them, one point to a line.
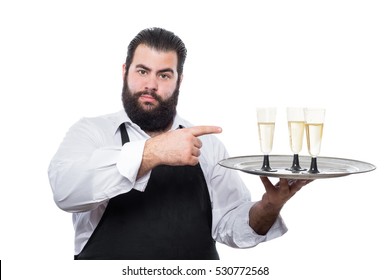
129	168
89	169
241	235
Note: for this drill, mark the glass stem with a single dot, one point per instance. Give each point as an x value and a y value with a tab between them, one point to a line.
266	166
295	166
313	166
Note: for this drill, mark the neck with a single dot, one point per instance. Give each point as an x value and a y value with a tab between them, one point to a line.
156	133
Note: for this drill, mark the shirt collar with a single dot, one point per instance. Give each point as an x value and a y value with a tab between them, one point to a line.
119	118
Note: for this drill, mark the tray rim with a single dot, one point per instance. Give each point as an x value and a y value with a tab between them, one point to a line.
298	175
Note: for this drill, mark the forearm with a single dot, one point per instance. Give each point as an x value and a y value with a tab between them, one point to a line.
262	216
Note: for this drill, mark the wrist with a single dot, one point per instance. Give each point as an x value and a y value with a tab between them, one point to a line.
150	158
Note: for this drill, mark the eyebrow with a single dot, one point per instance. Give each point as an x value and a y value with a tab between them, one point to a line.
159	71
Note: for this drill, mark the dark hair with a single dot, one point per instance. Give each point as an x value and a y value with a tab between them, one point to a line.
161	40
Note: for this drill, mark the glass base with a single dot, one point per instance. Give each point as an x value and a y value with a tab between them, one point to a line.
295	167
266	166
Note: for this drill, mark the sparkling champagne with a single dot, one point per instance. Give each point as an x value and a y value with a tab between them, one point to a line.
296	131
266	135
314	137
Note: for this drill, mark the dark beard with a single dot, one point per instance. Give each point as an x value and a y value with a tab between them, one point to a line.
154	120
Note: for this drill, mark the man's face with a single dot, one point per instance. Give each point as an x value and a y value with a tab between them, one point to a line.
151	88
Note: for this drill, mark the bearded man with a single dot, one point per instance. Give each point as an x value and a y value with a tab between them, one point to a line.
143	183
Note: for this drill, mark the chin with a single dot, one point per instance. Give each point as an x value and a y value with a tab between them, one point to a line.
148	106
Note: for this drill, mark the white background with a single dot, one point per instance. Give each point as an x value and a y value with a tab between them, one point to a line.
61	60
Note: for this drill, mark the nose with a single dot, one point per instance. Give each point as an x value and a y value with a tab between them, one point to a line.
151	83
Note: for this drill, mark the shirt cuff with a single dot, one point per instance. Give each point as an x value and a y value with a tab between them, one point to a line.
129	163
249	238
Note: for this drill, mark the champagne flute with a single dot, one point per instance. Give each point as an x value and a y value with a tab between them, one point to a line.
314	124
296	129
266	125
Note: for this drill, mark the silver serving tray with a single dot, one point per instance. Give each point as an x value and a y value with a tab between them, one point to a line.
329	167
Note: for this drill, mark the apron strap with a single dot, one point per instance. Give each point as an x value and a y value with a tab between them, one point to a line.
124	135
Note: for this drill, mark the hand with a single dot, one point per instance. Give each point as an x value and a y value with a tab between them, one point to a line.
176	147
264	213
277	195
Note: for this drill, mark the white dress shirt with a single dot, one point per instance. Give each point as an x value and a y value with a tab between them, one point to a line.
91	166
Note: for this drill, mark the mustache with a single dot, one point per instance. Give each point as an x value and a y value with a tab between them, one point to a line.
152	93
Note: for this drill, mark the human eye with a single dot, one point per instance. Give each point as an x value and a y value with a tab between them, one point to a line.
142	72
165	76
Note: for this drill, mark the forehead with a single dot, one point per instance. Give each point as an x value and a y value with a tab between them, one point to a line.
154	59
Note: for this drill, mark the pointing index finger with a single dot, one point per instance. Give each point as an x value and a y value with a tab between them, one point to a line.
204	129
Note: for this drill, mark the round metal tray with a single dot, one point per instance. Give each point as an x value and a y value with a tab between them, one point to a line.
329	167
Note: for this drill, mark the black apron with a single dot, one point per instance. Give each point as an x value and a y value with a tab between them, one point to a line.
170	220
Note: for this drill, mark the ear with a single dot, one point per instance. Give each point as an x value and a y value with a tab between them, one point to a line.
123	70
